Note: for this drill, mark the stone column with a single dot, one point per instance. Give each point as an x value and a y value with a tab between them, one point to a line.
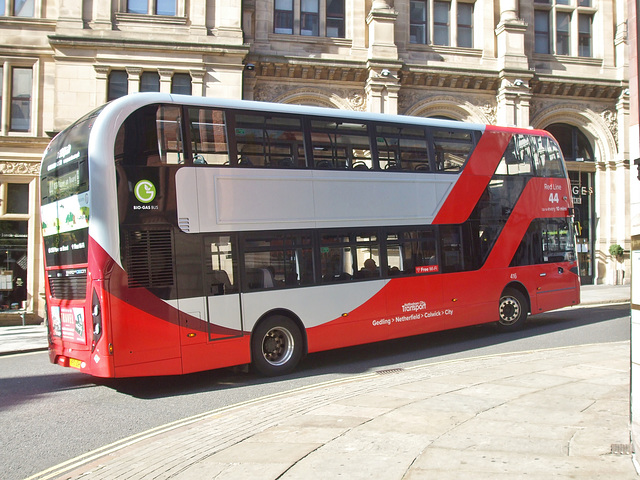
102	79
101	16
381	21
133	79
70	16
197	83
165	79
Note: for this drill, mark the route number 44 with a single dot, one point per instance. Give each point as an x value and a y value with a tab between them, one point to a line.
553	198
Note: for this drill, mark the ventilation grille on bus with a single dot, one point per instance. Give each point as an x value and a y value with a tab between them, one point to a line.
149	258
69	288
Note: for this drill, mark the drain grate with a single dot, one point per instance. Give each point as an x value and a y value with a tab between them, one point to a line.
621	449
390	371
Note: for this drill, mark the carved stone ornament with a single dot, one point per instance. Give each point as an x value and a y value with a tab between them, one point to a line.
610	118
20	168
346	99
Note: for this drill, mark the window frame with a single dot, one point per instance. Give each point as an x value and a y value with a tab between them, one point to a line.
7	96
452	28
566	41
289	20
152	8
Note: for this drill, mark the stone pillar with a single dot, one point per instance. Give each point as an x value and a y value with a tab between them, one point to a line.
101	19
133	79
513	100
513	95
228	21
197	83
70	16
381	21
382	89
102	80
198	18
165	79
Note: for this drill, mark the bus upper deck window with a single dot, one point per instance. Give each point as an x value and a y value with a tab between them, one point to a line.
452	148
547	157
208	136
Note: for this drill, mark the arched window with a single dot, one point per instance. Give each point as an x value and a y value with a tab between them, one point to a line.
574	144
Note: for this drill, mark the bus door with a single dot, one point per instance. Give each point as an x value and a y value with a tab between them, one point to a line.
220	283
555	282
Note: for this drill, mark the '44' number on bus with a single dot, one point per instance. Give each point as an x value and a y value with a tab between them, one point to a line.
553	198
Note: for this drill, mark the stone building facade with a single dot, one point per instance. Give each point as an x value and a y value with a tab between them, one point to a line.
554	64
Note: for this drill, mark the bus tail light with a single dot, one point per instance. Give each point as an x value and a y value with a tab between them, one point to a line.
96	316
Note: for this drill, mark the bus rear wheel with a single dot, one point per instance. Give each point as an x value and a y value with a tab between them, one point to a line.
276	346
512	310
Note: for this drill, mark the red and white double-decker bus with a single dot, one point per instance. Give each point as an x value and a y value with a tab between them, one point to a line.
183	234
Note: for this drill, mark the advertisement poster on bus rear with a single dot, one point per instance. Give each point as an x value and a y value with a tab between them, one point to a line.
68	323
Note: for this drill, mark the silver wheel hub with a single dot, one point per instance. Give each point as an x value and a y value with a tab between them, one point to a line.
278	346
509	310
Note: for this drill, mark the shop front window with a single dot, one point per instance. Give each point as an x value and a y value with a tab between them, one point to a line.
13	264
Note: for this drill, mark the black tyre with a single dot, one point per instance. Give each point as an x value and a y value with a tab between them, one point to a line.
512	310
276	346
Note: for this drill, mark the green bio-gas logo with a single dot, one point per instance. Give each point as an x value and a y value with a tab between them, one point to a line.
145	191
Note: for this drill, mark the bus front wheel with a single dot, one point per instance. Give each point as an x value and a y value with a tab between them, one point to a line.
276	346
512	310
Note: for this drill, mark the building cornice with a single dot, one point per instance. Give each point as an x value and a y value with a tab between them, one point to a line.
90	42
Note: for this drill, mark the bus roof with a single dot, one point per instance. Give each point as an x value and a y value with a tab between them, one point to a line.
132	102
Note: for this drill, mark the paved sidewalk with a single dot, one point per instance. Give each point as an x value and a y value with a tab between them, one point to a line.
17	339
543	414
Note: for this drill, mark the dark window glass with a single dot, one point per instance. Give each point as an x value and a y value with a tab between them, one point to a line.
584	35
208	136
465	25
548	240
283	17
336	258
150	136
451	248
418	27
574	144
547	157
563	23
309	18
402	148
21	86
441	14
220	265
274	260
269	141
118	85
335	18
542	32
452	148
412	252
150	82
18	198
181	83
340	145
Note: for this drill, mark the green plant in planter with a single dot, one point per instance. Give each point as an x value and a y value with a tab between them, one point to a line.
616	250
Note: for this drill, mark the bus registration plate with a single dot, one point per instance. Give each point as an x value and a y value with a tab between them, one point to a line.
75	363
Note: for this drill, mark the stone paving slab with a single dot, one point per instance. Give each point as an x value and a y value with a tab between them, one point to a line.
502	416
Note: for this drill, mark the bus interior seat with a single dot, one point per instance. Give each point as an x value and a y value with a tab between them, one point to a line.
220	282
258	278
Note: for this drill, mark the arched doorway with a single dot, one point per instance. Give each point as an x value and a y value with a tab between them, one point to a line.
578	154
